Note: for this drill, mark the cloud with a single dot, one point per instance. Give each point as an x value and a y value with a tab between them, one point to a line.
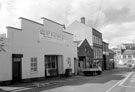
115	19
116	34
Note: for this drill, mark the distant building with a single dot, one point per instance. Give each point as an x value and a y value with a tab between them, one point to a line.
83	31
117	56
129	45
128	57
111	59
121	49
3	35
97	46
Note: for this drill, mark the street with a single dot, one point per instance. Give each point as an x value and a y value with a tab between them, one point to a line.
117	80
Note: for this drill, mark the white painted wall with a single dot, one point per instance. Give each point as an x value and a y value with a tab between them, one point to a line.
5	62
81	31
27	42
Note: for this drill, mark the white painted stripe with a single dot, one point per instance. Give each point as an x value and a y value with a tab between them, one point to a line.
20	89
126	78
113	86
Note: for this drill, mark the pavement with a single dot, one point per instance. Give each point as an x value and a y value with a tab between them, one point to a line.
109	81
37	84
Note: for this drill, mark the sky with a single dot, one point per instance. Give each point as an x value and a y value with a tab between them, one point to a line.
115	19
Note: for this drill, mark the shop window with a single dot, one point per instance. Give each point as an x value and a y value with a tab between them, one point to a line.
33	64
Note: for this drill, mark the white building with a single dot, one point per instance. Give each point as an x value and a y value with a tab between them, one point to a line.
36	51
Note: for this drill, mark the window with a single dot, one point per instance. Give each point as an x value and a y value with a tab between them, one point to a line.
101	53
129	56
69	61
51	61
33	64
124	56
94	52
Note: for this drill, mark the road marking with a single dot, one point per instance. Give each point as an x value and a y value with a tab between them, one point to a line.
113	86
20	90
126	78
120	83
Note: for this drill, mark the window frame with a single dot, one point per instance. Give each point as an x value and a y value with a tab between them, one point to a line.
33	64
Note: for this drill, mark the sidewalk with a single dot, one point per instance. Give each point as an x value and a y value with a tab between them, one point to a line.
38	84
46	82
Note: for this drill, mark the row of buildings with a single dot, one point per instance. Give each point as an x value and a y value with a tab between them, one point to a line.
38	51
125	54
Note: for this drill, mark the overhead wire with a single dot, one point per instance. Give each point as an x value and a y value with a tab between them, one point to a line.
99	10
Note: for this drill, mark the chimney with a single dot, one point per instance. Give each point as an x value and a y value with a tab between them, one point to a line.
83	20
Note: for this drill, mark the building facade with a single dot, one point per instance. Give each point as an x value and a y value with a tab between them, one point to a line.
37	51
85	55
105	56
97	46
83	31
128	57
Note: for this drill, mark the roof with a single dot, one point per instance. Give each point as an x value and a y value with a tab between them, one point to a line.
53	21
110	51
30	20
129	44
79	42
129	52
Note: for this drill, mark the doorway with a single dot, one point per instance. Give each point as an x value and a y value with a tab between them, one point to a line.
16	67
51	65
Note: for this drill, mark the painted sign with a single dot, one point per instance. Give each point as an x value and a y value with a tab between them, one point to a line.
52	36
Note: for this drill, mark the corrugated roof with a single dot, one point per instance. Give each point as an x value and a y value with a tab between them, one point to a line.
129	52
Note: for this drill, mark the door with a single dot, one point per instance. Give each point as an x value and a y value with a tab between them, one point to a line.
75	66
16	68
104	60
51	65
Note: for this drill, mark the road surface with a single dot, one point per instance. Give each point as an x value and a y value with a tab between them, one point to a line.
117	80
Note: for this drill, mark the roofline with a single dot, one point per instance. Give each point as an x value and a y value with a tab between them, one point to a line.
96	30
105	42
53	21
30	20
14	28
68	32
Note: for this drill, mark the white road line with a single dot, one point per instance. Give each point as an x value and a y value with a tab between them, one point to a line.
20	90
120	83
113	86
126	78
